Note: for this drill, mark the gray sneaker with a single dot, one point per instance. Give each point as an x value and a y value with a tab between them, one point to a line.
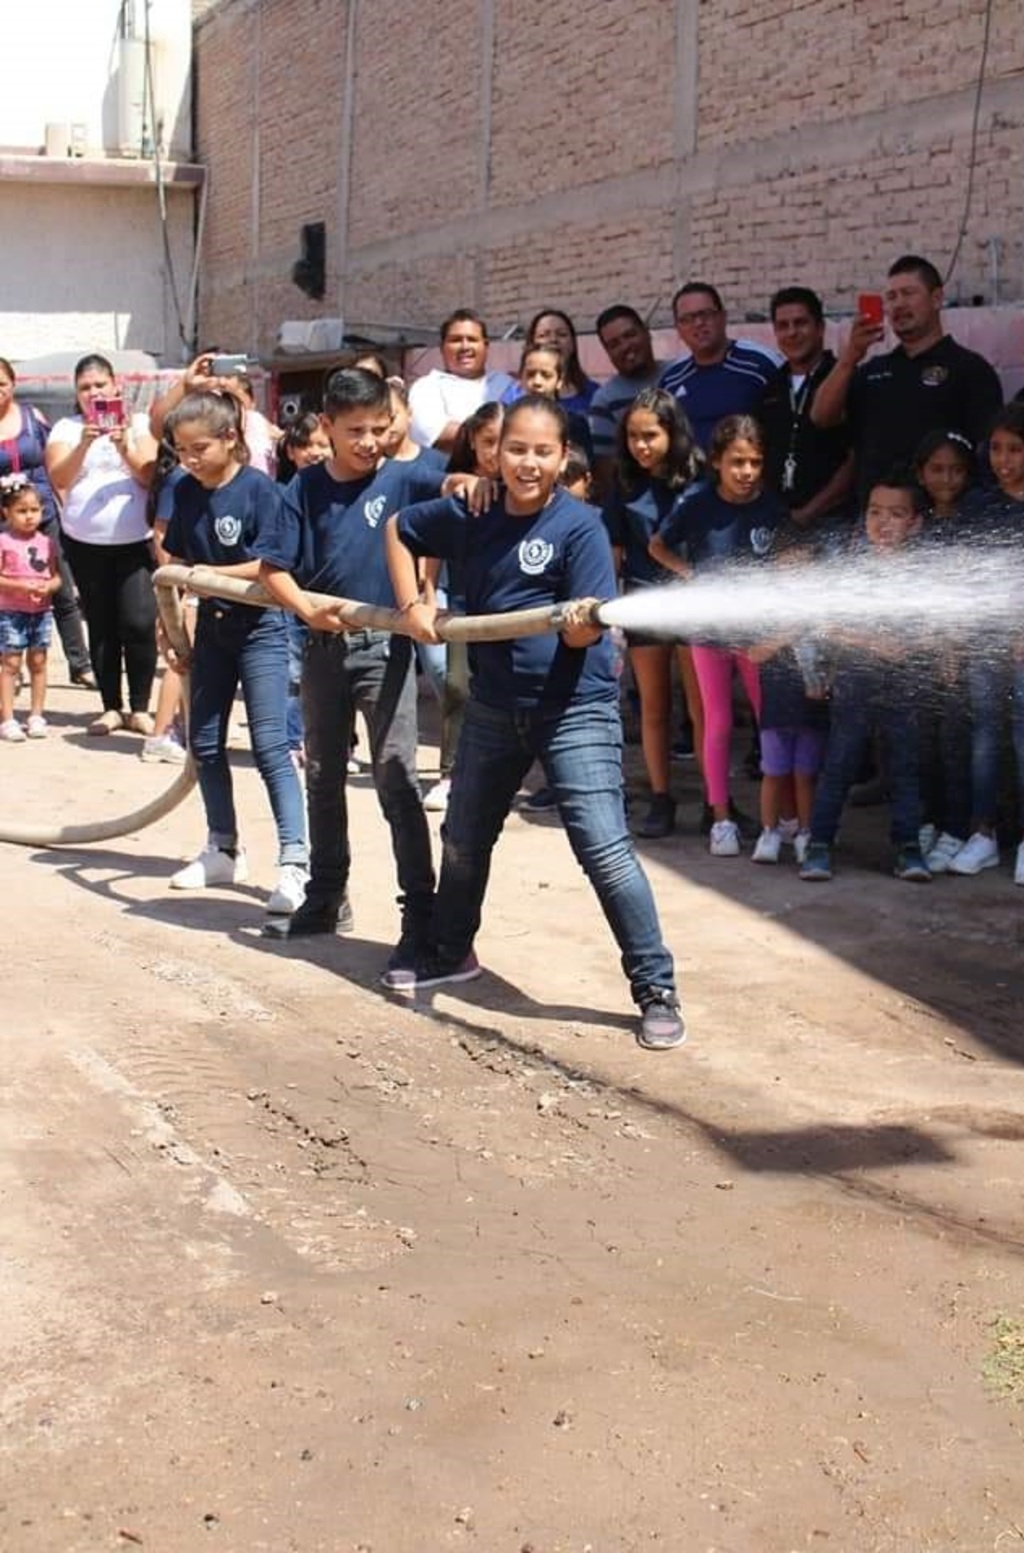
661	1023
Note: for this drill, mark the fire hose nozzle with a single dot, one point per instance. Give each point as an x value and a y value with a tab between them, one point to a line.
580	612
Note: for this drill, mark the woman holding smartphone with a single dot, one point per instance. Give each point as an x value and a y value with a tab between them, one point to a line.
100	462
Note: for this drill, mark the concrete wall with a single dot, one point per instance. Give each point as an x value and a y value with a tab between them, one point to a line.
508	154
83	269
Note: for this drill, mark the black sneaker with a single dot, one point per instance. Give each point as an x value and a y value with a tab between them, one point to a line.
661	1023
430	970
911	866
660	819
312	918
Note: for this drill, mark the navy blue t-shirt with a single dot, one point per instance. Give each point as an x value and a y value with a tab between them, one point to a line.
163	506
784	699
560	553
330	533
710	531
222	527
428	458
633	521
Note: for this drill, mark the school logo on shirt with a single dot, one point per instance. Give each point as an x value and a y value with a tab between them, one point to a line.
933	377
228	529
535	556
373	510
761	540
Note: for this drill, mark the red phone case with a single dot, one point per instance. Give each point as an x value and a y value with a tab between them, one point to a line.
871	307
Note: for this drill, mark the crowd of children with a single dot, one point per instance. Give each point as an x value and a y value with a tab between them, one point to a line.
501	520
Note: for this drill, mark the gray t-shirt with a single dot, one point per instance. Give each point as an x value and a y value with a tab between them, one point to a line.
610	404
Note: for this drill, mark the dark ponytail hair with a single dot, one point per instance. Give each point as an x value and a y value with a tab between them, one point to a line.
539	404
218	413
94	362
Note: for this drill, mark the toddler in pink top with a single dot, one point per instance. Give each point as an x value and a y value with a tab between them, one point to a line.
28	580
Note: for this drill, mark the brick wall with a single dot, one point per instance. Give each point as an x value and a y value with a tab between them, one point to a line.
512	155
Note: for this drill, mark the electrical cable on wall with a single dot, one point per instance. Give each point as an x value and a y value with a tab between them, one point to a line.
973	152
161	186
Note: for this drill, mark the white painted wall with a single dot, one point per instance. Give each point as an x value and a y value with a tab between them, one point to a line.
82	269
61	65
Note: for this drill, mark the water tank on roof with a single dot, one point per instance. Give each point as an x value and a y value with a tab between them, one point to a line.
132	129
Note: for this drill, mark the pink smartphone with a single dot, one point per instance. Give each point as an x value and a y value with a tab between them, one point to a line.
107	413
871	307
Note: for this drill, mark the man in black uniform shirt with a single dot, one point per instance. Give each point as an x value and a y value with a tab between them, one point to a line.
810	467
927	383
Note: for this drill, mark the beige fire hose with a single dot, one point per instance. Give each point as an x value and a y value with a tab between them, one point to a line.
169	581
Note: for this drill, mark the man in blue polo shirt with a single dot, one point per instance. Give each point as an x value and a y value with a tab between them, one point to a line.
718	376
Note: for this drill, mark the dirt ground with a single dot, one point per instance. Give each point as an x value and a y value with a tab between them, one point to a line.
285	1265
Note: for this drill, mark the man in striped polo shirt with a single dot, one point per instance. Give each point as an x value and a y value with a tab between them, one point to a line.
627	343
718	376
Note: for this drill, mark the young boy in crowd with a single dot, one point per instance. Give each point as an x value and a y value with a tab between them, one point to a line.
330	538
875	691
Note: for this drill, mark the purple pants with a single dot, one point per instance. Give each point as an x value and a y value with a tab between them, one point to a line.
788	750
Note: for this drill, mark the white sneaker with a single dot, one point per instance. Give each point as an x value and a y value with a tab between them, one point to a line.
977	853
927	836
436	800
1018	872
768	848
801	841
36	727
12	732
789	830
163	747
289	891
725	839
212	866
943	852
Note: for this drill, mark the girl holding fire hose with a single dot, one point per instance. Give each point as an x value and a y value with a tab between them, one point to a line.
552	698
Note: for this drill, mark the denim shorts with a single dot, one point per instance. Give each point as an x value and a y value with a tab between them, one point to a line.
22	629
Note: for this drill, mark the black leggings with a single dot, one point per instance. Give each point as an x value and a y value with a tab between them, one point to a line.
120	611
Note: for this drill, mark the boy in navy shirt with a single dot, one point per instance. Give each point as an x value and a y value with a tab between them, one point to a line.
330	538
875	691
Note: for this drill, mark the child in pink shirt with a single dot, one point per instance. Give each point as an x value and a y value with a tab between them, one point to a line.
28	580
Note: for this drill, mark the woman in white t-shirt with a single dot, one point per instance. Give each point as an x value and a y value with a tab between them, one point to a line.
100	463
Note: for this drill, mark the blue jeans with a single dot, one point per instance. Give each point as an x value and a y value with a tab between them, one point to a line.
297	631
946	757
432	658
580	750
869	699
369	672
248	646
994	680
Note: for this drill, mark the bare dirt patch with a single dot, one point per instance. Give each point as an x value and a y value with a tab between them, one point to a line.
287	1266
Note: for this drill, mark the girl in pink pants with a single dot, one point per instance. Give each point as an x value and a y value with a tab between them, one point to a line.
728	521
